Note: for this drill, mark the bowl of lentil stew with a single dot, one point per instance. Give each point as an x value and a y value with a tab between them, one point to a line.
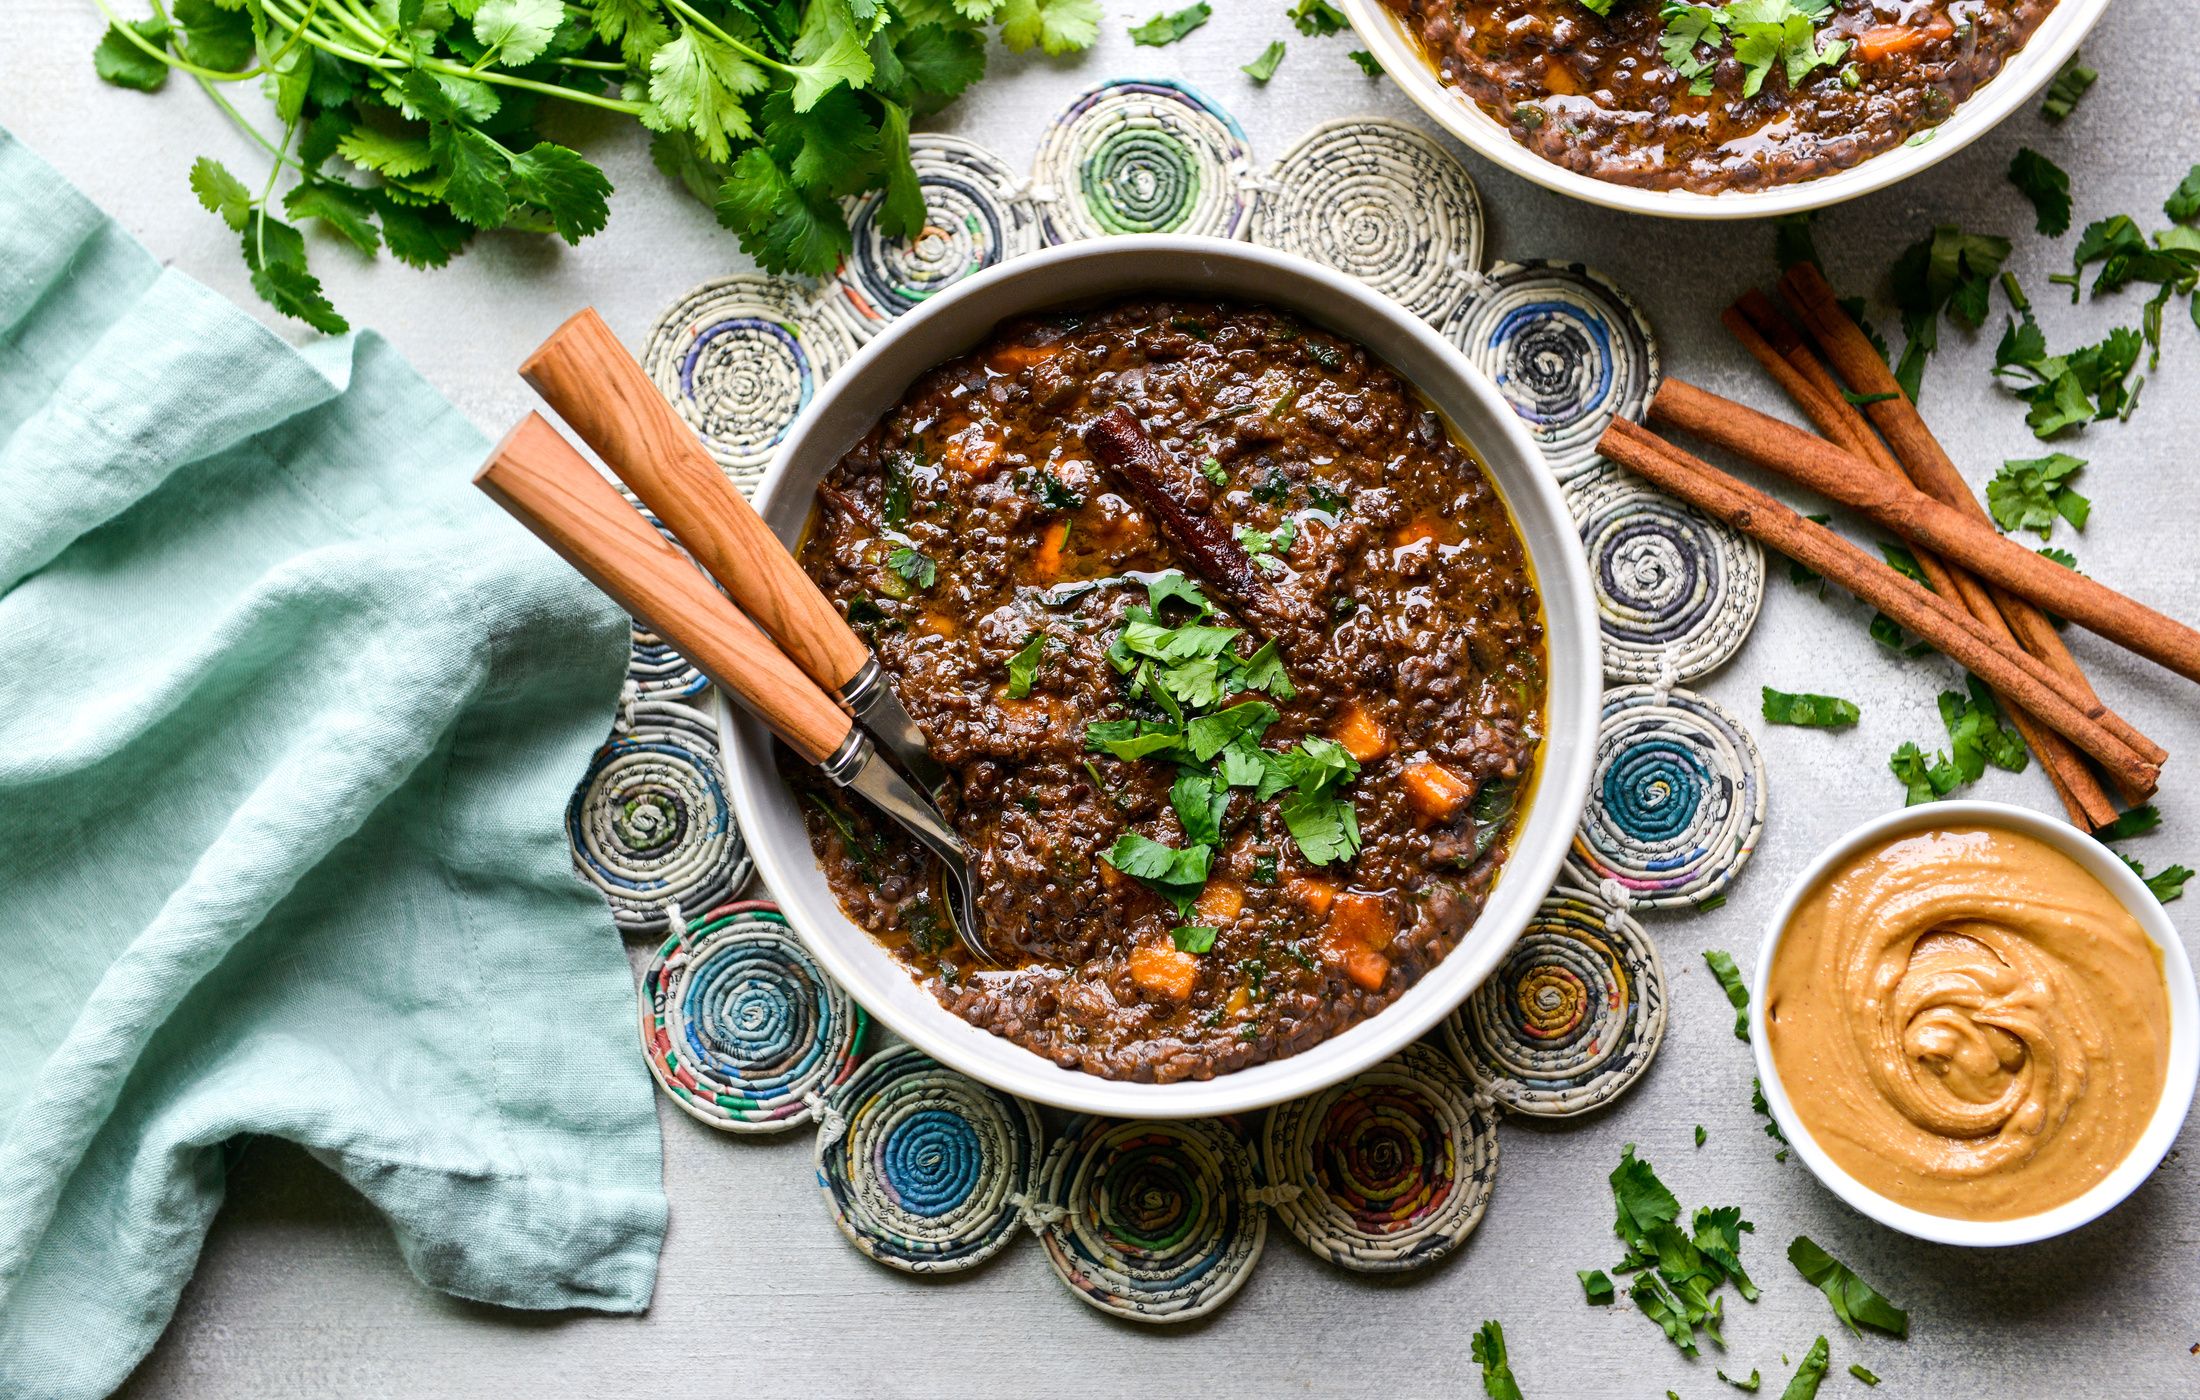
1598	106
952	572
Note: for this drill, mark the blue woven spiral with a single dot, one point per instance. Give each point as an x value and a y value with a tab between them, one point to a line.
742	1028
650	825
928	1169
976	215
1677	802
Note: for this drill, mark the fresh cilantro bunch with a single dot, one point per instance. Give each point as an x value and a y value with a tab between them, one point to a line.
1763	36
1194	679
415	124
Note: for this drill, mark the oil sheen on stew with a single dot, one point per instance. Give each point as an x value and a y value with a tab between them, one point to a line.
1604	95
1211	839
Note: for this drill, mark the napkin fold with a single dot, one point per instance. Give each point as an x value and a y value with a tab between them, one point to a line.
288	719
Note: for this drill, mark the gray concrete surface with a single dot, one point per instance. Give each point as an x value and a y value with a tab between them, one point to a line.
301	1292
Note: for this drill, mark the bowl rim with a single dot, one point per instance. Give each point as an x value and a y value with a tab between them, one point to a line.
2024	74
1514	464
2179	1079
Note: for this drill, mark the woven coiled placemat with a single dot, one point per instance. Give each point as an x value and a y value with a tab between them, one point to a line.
650	825
1677	592
741	1027
1153	1221
1379	200
1569	350
1388	1171
1676	803
739	357
1142	155
925	1169
977	213
1573	1015
654	671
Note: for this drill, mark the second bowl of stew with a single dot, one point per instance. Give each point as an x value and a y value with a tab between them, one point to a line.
1264	754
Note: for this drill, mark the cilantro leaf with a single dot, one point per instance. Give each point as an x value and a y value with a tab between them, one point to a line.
2029	494
1208	735
2046	184
901	213
1812	711
516	32
1596	1286
1167	28
1318	19
2164	886
1023	667
1200	799
2137	822
1737	991
1948	270
1264	671
1325	827
2184	201
1369	64
1057	26
1488	1350
1793	241
563	185
781	226
1855	1302
831	48
116	60
1181	587
1755	1380
1976	735
2069	86
911	565
346	210
220	192
1175	875
1132	739
1803	1385
698	84
1261	69
1924	779
1193	938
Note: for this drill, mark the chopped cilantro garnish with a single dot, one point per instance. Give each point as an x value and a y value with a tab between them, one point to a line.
2165	885
1023	667
1803	1385
1053	493
1737	995
1810	711
1755	1380
1947	270
1168	28
1678	1272
1176	875
1596	1286
2063	93
1261	69
1488	1349
1701	1135
1369	64
1856	1369
2044	183
2064	391
1318	19
1211	468
2183	203
1855	1302
2029	493
1193	938
2136	822
1268	547
913	566
1200	799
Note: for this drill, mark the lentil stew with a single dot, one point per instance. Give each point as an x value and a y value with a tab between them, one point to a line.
1214	828
1715	97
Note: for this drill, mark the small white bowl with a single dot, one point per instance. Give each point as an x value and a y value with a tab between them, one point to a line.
2026	72
959	319
2184	1035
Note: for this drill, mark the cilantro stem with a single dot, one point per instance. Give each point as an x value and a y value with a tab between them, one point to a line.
250	130
275	168
687	14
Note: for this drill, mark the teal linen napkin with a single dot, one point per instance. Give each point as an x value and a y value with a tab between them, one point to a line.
288	719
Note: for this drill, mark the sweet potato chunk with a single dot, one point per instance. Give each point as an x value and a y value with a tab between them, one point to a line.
1362	735
1162	972
1434	792
1366	968
1046	564
1316	895
1362	919
1219	902
1010	358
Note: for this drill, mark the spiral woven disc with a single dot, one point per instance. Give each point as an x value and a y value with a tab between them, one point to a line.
1676	590
1142	156
1569	350
976	214
1388	1171
1677	801
1572	1016
741	1027
931	1168
1158	1223
650	825
1379	200
739	357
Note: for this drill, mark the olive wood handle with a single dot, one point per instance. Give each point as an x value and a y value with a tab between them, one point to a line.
609	401
551	489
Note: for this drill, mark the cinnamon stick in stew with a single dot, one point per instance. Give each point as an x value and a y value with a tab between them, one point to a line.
1946	627
1120	441
1757	324
1811	461
1929	465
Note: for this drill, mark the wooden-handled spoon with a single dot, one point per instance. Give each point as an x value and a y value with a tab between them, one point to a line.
544	483
608	400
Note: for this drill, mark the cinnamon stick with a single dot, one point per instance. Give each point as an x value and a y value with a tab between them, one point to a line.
1758	325
1119	440
1929	465
1811	461
1941	623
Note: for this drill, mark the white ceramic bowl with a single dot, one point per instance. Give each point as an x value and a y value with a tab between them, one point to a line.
2184	1039
1109	268
2024	74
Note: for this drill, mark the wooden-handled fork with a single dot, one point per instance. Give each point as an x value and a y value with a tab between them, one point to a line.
537	476
608	400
